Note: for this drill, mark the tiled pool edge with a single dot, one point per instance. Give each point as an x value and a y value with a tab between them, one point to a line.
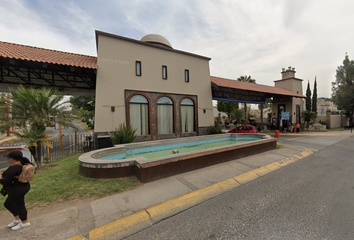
153	169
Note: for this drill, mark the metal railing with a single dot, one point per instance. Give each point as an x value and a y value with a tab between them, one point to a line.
70	144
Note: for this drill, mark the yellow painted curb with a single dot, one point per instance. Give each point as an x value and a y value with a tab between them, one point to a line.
121	227
273	166
79	237
285	162
228	184
176	205
136	222
246	177
261	171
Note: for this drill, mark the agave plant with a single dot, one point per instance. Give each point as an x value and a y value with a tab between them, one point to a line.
123	134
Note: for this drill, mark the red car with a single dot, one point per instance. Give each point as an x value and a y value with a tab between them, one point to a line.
244	129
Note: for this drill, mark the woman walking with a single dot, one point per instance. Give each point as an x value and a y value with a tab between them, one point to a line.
16	190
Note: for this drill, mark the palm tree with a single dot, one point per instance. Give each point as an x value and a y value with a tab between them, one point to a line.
4	121
33	110
249	80
34	139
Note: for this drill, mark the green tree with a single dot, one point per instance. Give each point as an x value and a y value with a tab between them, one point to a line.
33	110
237	114
227	107
4	121
249	80
268	106
308	97
84	102
314	98
82	105
343	87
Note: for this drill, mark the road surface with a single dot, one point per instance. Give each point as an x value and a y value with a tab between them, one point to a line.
310	199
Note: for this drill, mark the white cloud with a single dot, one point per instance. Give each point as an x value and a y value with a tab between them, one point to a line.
256	37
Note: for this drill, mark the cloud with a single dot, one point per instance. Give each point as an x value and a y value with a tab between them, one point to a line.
256	37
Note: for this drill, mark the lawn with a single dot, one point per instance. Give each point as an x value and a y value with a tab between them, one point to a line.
280	146
335	129
60	181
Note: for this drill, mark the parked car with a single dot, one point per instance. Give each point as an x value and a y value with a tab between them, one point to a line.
244	129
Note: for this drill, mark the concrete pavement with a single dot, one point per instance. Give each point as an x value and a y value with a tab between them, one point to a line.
310	199
305	133
143	205
81	219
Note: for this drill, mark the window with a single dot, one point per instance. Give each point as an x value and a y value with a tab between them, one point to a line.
187	115
186	75
164	72
138	68
139	114
165	115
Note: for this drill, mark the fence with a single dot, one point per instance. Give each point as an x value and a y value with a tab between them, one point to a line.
69	144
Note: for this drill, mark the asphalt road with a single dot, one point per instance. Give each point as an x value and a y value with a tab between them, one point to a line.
309	199
51	131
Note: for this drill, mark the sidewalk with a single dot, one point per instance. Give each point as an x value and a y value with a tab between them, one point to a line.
305	133
5	138
81	219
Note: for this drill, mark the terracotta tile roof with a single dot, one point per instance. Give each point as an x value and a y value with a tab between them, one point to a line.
23	52
223	82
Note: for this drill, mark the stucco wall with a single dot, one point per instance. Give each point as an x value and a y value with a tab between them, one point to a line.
116	73
335	121
294	85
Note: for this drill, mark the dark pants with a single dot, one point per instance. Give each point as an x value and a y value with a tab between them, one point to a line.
15	201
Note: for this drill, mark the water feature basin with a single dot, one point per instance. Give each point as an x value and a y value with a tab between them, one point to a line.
155	159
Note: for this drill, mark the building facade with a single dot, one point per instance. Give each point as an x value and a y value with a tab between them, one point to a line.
160	91
293	105
324	105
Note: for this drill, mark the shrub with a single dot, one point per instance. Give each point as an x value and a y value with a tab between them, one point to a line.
123	134
323	123
216	129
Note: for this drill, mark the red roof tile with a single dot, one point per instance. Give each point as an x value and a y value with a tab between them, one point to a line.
223	82
23	52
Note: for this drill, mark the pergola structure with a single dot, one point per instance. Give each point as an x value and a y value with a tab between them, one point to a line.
71	74
235	91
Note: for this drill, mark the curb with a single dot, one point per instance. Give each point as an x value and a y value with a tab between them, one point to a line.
307	134
138	221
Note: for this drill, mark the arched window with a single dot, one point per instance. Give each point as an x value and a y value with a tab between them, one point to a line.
187	115
165	115
139	114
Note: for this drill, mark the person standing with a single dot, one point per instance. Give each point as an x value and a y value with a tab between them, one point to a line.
298	127
16	190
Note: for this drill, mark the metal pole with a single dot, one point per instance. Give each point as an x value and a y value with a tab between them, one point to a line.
60	138
8	115
47	139
75	138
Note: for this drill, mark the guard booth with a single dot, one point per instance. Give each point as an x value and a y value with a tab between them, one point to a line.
286	94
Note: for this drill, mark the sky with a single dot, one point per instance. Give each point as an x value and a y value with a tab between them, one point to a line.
257	38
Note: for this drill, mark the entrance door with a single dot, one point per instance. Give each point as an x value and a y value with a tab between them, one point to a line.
297	113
